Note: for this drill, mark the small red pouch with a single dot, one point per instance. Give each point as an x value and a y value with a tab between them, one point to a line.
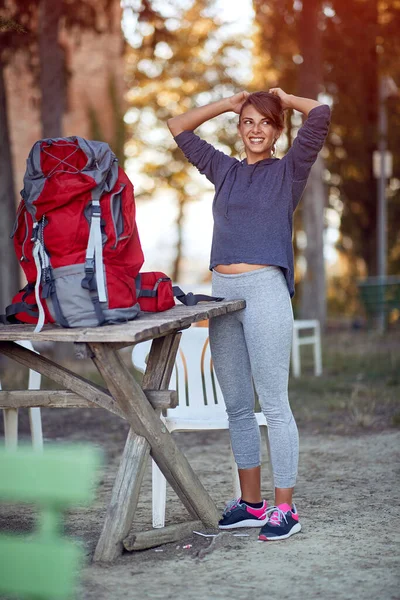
154	291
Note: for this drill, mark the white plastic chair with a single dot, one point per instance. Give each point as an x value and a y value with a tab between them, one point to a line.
201	405
10	415
314	339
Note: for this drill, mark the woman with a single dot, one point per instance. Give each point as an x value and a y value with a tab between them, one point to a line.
252	258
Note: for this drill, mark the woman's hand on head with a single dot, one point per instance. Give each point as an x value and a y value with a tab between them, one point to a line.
284	97
238	100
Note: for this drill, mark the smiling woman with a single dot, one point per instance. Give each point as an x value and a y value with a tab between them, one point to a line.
252	258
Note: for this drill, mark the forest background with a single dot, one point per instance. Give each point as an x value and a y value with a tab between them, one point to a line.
116	72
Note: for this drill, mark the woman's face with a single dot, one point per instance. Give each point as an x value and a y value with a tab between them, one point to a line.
258	134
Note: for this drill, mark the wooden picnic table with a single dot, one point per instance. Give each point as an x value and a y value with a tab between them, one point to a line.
139	405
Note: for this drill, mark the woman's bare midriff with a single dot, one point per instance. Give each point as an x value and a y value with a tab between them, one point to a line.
237	268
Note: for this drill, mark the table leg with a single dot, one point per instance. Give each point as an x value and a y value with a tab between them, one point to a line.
10	416
125	493
145	422
124	498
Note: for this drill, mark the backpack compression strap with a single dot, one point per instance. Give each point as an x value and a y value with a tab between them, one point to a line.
192	299
94	274
44	277
9	318
94	251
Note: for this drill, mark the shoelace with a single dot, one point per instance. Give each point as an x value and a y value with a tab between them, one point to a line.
277	515
231	505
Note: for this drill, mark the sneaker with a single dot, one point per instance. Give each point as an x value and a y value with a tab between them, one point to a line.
239	514
283	521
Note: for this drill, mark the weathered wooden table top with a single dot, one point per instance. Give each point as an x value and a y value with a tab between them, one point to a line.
146	327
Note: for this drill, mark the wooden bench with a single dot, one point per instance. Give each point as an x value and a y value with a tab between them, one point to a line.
139	405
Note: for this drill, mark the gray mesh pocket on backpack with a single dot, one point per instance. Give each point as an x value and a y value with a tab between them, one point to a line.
76	303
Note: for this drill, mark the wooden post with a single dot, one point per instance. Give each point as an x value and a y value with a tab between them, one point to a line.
65	377
125	494
10	416
124	498
158	537
159	399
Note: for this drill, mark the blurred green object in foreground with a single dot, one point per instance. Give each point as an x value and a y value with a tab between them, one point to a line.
44	565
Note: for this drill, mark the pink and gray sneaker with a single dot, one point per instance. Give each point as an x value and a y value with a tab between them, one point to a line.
283	521
239	514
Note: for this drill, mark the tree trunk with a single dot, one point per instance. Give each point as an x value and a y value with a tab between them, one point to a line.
313	286
9	269
52	71
371	139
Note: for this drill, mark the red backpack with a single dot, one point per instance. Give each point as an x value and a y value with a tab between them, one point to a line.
76	238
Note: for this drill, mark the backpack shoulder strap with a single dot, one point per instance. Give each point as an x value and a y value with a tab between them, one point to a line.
102	166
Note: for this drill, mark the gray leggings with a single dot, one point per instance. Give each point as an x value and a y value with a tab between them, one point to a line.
254	345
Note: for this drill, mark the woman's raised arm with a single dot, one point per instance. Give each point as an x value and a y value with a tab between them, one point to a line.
303	105
194	117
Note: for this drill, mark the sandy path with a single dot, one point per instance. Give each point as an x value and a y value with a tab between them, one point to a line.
348	498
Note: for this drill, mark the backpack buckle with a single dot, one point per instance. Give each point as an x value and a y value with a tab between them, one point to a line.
157	283
89	266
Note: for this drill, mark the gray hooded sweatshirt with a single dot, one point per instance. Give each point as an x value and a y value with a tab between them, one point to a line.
253	204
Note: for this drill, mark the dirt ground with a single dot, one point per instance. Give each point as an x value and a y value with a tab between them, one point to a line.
347	494
347	497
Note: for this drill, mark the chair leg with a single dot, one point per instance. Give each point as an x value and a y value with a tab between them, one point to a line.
317	352
10	416
35	422
237	492
159	495
264	435
296	354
